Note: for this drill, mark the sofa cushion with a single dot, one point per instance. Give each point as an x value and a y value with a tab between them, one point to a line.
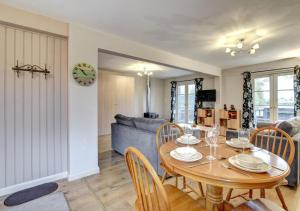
285	126
148	124
124	120
295	122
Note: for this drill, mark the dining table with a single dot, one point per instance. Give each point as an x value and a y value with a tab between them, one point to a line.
219	173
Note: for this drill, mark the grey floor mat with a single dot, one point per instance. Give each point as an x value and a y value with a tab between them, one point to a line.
52	202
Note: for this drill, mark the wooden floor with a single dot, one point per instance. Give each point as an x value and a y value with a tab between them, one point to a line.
112	188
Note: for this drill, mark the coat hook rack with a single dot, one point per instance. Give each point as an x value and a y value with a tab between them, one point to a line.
31	68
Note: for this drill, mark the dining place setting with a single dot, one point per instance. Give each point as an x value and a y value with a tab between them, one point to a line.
234	163
189	150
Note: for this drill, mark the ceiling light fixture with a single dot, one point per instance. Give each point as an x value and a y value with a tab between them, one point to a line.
245	43
256	46
228	50
240	44
252	51
146	73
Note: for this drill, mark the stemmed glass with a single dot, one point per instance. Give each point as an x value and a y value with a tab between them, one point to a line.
188	132
243	136
210	140
216	133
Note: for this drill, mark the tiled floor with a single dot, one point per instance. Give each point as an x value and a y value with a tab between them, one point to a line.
113	190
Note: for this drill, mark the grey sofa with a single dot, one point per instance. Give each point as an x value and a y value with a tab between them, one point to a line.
139	133
294	177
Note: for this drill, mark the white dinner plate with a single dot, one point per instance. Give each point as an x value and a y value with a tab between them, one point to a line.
193	140
249	161
263	168
239	145
195	157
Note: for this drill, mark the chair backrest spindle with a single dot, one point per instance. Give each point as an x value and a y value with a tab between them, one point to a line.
150	191
281	140
167	132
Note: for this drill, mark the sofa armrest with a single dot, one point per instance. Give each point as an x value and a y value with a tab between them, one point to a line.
231	134
264	124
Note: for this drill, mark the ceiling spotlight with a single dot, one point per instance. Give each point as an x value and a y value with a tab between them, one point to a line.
228	50
252	51
140	74
256	46
232	53
150	73
240	44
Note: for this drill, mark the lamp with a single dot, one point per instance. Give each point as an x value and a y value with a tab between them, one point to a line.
148	89
245	42
240	44
228	50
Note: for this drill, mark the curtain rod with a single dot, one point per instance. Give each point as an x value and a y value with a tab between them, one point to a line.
284	68
186	80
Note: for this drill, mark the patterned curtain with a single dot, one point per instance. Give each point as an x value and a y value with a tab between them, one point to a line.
297	91
173	100
198	103
248	111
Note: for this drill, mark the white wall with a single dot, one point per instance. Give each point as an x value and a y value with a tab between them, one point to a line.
232	80
139	99
208	83
83	46
83	130
22	18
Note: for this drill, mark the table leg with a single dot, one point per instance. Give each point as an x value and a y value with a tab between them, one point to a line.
214	197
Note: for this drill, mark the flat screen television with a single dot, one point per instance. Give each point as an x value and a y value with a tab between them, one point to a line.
207	95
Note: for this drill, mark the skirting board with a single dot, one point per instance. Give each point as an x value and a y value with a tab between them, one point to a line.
76	176
32	183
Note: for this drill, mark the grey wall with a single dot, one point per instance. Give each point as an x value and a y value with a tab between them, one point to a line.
33	111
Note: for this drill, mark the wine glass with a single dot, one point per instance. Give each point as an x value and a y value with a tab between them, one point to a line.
216	133
209	139
188	132
243	137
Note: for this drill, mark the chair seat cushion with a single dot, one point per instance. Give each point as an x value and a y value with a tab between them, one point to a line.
179	200
258	205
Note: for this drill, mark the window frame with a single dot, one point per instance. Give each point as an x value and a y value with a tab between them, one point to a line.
186	97
273	90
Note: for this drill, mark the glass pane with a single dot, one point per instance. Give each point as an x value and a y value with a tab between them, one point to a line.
181	89
262	113
181	103
285	112
262	84
262	98
285	82
191	108
191	115
191	88
286	98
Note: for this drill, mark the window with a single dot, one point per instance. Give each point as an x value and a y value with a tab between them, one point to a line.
273	97
185	103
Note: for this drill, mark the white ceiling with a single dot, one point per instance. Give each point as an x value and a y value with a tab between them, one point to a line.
190	28
128	65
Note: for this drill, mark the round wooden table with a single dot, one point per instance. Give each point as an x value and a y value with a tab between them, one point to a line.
216	176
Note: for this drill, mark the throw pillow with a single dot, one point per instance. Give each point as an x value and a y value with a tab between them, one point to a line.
285	126
295	122
124	120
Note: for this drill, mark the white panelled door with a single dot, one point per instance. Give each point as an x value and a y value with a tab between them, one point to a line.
116	96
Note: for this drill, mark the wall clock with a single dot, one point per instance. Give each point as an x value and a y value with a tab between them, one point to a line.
84	74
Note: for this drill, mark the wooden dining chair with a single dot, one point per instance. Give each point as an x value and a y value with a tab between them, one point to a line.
170	132
278	142
152	195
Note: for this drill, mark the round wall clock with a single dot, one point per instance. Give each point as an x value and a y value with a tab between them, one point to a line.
84	74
